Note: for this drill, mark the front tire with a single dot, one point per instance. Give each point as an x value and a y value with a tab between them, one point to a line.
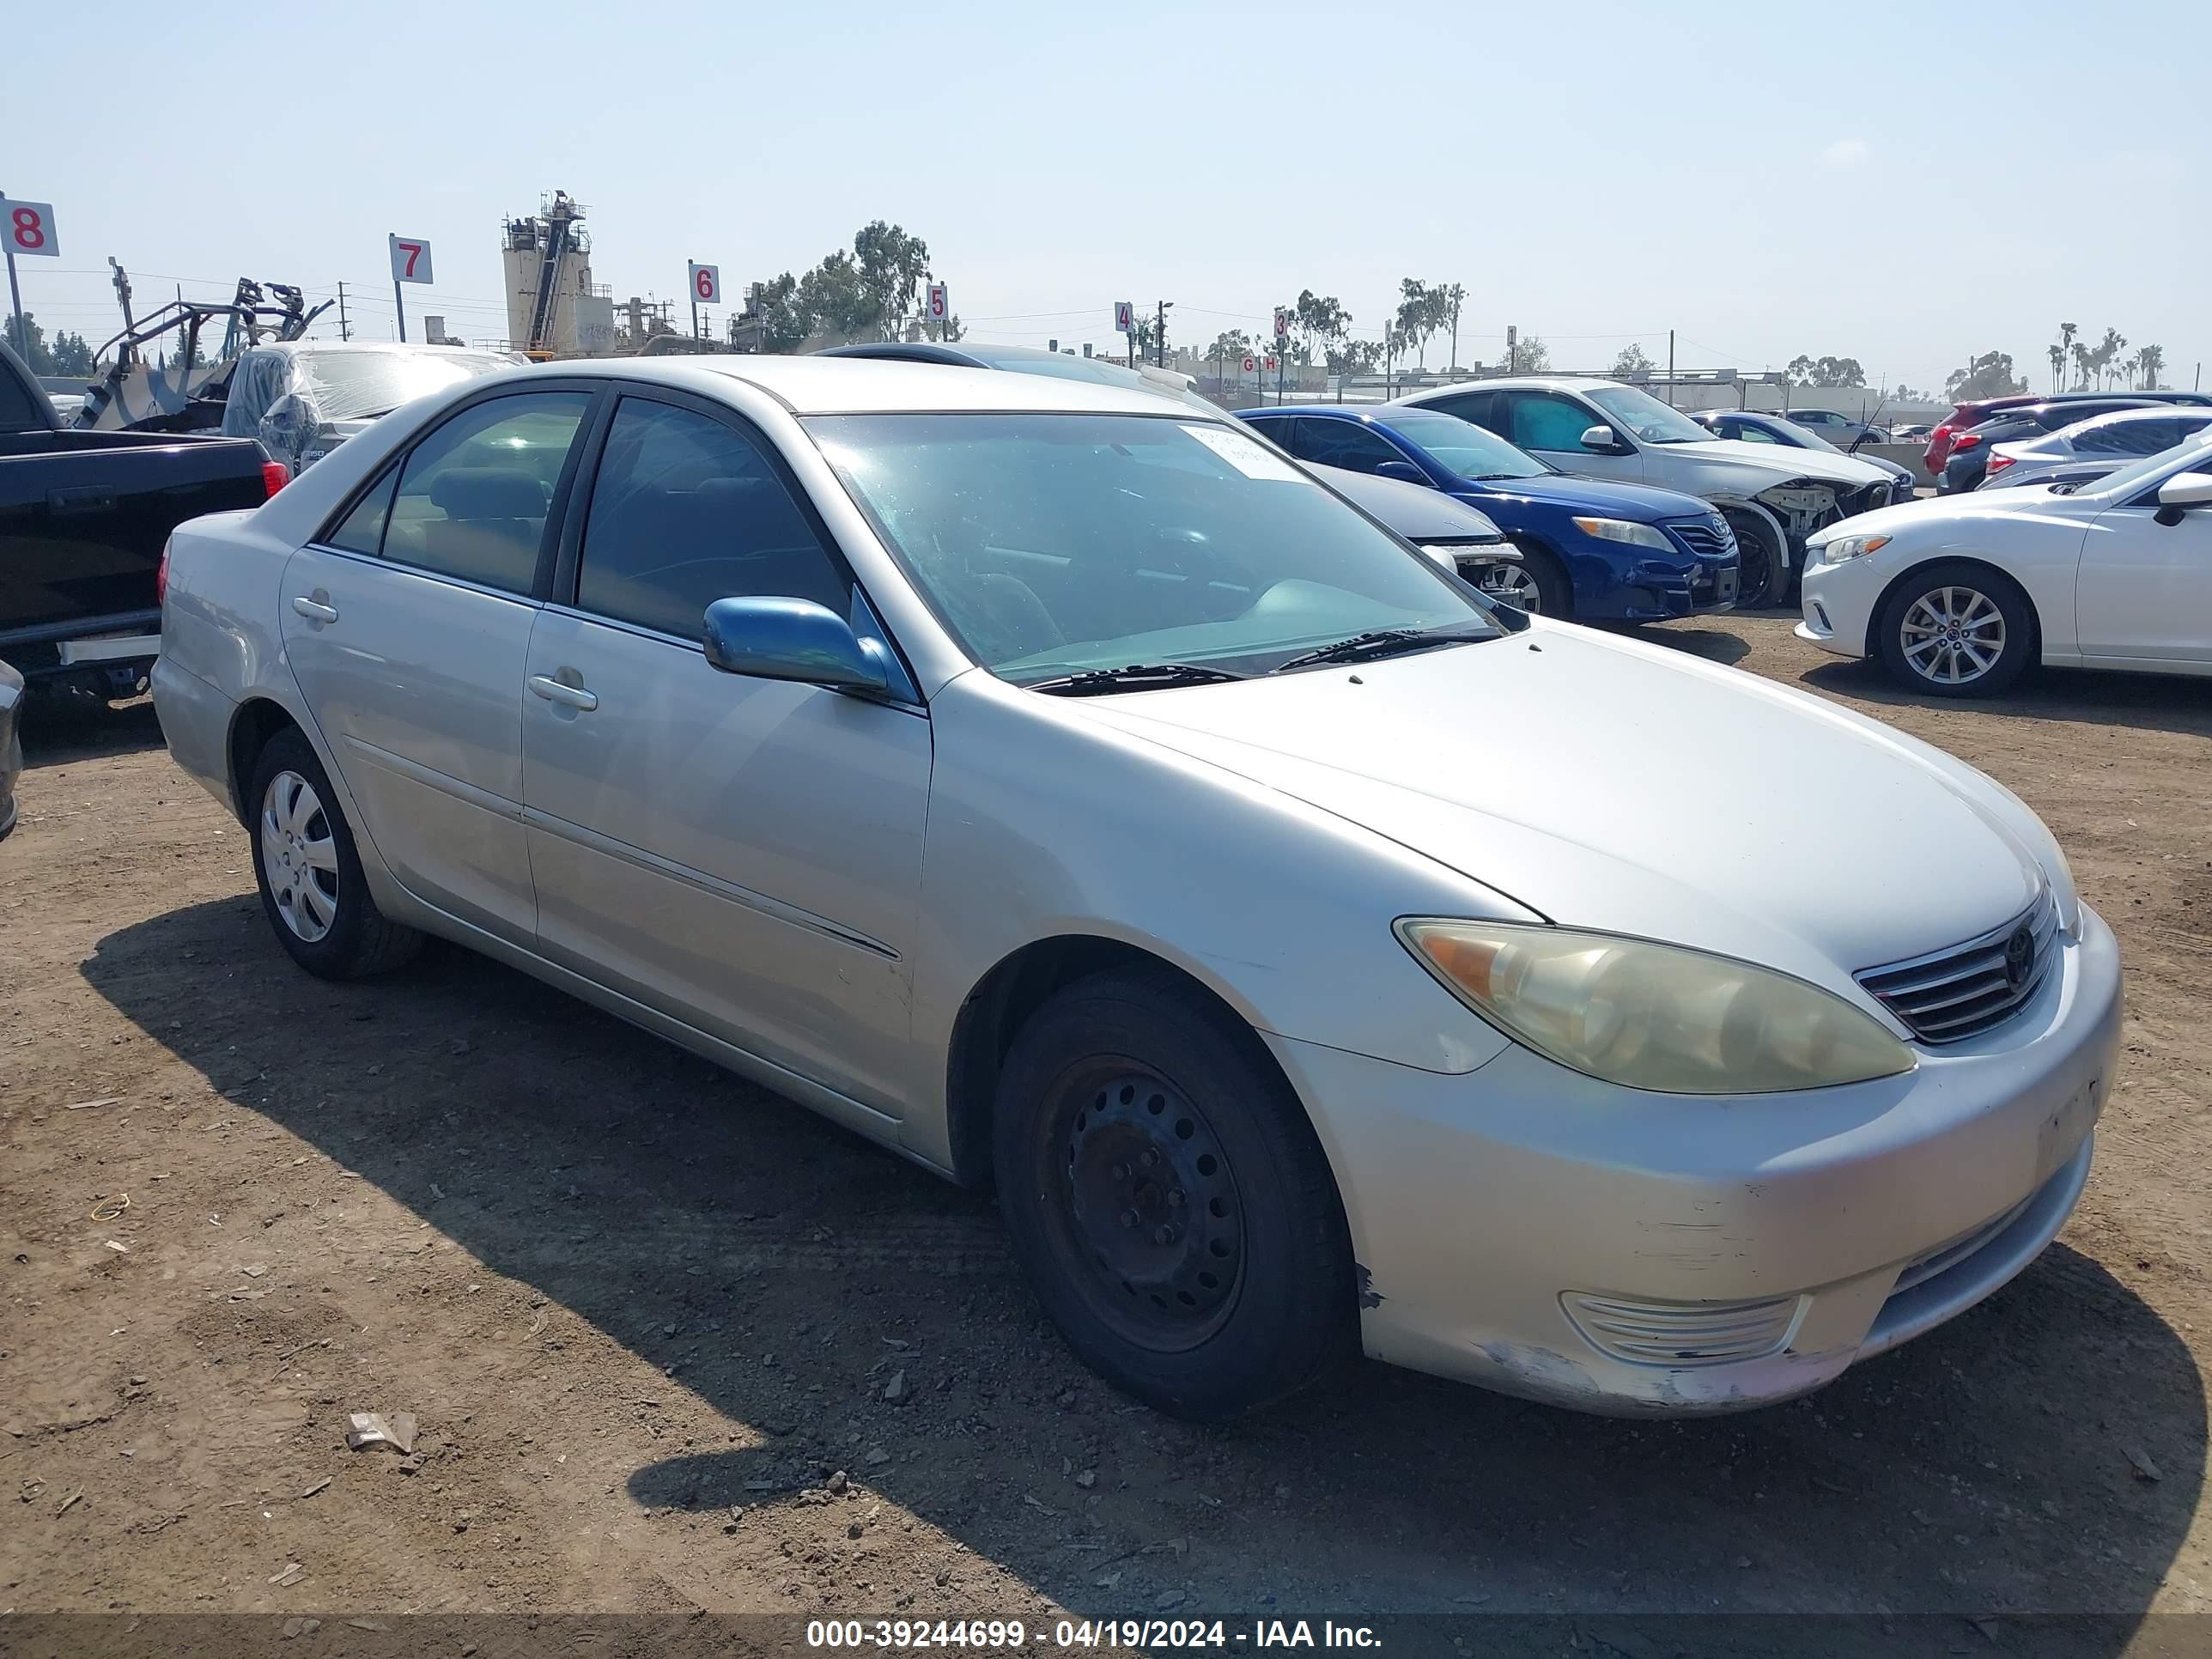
304	862
1169	1201
1762	564
1956	630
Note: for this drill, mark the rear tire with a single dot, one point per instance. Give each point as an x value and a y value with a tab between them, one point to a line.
1956	630
311	887
1169	1201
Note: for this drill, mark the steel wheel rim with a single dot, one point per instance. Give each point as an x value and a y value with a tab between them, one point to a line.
1510	584
1144	1207
299	858
1952	635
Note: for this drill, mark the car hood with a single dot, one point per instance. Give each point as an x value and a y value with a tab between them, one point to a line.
1773	462
1916	515
1616	785
1414	511
1639	503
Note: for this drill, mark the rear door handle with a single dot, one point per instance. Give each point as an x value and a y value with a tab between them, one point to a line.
314	612
568	696
81	498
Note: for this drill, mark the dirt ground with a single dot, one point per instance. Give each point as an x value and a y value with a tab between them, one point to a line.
646	1316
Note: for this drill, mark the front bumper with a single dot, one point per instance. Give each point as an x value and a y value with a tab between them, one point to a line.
1658	595
1533	1231
1837	603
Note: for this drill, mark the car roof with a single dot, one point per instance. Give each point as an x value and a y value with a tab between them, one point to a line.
380	348
825	385
2144	412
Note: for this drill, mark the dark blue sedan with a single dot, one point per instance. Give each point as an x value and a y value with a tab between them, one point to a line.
1599	552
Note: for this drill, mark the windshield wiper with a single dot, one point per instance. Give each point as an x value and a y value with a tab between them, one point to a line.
1136	677
1377	642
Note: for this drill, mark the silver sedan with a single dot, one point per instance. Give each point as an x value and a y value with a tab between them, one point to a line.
1067	791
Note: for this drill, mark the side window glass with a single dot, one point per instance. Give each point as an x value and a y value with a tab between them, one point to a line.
473	496
1346	444
1475	406
685	511
363	530
1742	430
1287	434
1540	421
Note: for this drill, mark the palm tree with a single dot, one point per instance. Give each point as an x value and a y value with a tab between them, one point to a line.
2066	331
2107	355
2057	365
1453	298
2152	361
2081	366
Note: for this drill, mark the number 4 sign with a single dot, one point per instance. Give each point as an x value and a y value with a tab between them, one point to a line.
28	228
1123	320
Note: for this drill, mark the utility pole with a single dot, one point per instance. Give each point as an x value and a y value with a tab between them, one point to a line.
344	331
1670	369
1160	336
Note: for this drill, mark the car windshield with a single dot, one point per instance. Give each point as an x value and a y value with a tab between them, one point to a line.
2131	477
1055	544
1463	448
1645	417
352	386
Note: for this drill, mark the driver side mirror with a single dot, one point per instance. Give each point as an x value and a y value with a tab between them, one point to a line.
2181	492
1403	471
794	640
1600	438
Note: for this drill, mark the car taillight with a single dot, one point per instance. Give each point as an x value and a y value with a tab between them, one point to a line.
161	577
1965	441
1999	463
275	475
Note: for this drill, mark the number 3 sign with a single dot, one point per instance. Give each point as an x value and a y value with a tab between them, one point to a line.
28	228
706	284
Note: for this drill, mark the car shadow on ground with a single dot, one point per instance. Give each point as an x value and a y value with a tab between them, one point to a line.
786	1274
1713	644
59	732
2158	703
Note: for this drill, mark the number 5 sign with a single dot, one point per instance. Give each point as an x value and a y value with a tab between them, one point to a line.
940	302
705	284
411	259
28	228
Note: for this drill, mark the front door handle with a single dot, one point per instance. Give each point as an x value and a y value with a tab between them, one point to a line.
315	612
568	696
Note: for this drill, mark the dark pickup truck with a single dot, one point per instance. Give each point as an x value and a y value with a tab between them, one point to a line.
83	518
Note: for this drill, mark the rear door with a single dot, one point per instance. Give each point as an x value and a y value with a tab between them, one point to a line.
742	854
408	627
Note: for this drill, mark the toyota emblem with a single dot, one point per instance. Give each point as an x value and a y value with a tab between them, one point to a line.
2020	957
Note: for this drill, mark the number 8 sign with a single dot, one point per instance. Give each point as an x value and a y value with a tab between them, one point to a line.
706	284
28	228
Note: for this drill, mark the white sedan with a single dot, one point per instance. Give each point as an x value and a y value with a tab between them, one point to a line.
1959	595
1059	786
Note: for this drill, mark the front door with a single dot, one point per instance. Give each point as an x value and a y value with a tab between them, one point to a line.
407	627
742	854
2143	590
1550	425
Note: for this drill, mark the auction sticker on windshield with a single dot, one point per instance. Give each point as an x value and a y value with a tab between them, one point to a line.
1244	454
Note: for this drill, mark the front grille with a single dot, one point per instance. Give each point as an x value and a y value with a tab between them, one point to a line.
1708	537
1949	995
1683	1333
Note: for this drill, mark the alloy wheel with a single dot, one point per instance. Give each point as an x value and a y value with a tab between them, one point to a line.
1510	584
299	857
1952	635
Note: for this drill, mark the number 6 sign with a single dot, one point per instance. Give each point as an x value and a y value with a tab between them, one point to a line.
706	284
28	228
411	259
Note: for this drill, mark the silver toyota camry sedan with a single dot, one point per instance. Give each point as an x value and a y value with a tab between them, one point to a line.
1066	790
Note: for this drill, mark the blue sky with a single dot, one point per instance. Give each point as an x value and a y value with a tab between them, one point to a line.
1903	184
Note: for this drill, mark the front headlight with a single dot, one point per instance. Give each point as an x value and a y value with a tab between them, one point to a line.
1837	549
1619	530
1654	1016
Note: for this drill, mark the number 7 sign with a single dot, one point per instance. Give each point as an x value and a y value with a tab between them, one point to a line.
411	259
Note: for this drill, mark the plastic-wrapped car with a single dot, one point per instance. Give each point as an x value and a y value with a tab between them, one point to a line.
304	397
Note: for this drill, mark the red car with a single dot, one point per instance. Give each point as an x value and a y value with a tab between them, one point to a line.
1964	415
